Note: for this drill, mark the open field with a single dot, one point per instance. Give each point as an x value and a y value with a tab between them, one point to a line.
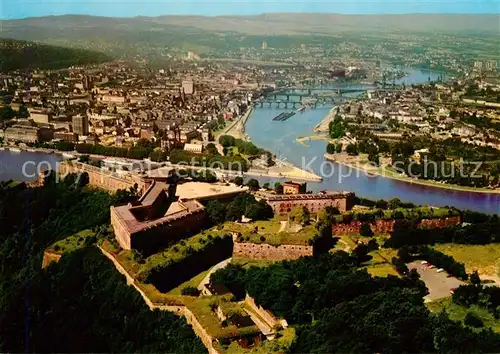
267	231
483	258
379	266
457	312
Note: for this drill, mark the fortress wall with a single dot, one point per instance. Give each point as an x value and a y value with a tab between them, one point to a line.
386	226
101	178
178	310
265	251
263	313
121	234
281	207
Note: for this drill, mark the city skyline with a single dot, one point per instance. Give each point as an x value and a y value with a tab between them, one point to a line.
17	9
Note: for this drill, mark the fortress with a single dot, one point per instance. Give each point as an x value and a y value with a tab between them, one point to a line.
166	213
283	204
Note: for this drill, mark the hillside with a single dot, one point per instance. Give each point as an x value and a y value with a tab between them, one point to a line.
265	24
142	35
16	54
330	24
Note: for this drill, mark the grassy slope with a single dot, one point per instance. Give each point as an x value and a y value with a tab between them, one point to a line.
483	258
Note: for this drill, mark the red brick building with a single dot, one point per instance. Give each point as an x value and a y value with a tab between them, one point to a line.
283	204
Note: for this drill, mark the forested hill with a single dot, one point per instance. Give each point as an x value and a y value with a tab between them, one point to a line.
81	304
15	54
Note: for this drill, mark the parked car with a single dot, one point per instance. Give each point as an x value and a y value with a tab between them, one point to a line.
431	266
440	270
452	290
424	262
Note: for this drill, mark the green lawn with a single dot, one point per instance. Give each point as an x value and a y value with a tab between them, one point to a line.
281	344
266	231
457	312
379	265
71	243
483	258
247	263
202	309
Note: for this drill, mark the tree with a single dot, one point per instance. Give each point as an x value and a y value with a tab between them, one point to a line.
253	184
278	188
338	148
266	186
226	140
7	113
365	230
352	149
474	278
331	210
211	149
259	211
360	253
84	158
300	215
330	148
216	211
238	181
23	112
381	204
394	203
472	320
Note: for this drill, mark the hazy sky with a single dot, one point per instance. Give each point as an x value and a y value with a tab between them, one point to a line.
128	8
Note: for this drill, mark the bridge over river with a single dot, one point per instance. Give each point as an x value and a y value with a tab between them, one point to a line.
294	96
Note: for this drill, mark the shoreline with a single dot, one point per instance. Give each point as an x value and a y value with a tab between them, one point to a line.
322	126
282	169
410	180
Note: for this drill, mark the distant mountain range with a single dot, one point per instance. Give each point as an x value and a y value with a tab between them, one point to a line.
265	24
199	33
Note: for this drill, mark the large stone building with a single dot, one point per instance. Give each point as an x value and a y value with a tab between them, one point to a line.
166	213
283	204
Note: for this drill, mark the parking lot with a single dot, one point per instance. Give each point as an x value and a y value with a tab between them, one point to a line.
439	284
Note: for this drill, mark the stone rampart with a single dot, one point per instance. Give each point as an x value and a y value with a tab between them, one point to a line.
178	310
101	178
386	226
266	315
265	251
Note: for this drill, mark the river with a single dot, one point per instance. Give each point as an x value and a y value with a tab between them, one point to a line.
280	138
24	166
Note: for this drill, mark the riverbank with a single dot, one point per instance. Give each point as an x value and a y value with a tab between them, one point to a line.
383	171
237	128
323	126
285	170
282	169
